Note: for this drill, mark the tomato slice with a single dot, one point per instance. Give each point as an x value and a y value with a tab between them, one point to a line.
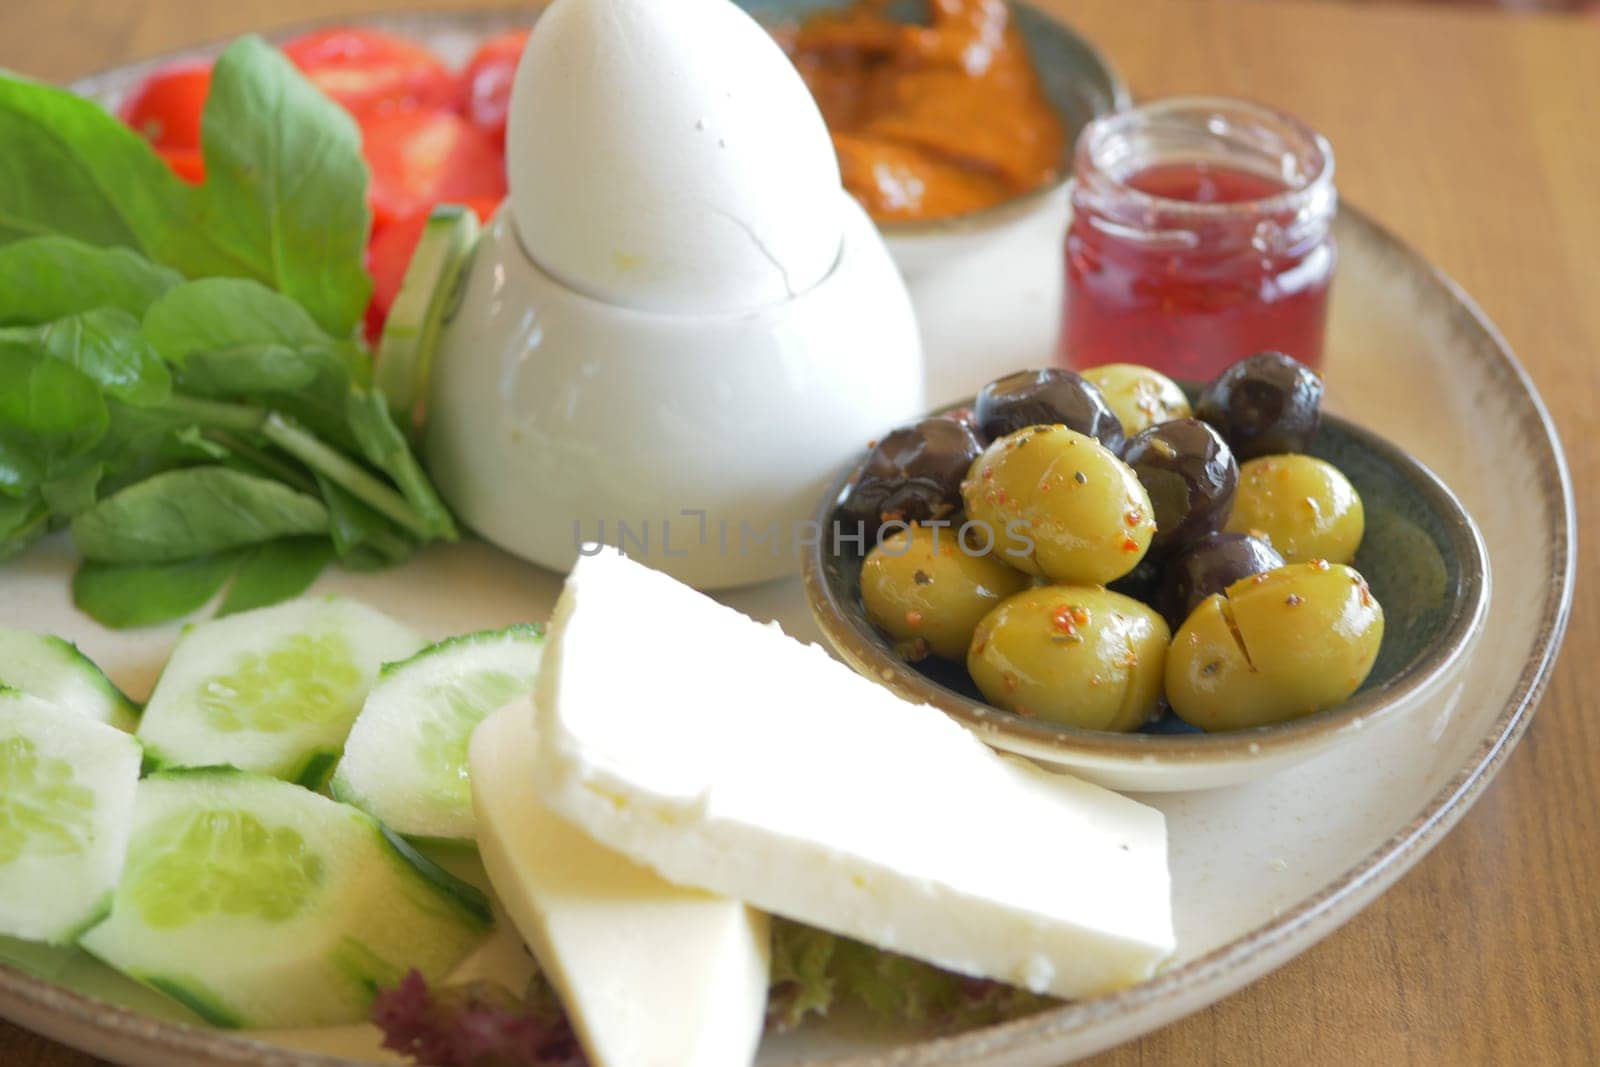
389	254
166	106
422	158
186	163
367	71
489	77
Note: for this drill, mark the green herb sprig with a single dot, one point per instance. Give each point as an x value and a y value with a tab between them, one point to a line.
181	379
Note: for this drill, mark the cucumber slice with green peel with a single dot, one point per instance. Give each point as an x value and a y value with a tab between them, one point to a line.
66	801
273	690
411	332
258	903
55	671
72	968
406	759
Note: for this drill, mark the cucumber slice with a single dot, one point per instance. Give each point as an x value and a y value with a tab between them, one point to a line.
74	969
406	760
258	903
273	690
54	670
429	289
66	797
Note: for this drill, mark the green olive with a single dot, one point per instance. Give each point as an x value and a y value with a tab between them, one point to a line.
1304	506
1140	396
1274	647
1060	505
928	590
1077	655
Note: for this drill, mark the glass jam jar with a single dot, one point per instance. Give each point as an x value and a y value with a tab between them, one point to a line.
1201	233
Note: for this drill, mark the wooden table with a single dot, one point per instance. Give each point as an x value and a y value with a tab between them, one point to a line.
1476	136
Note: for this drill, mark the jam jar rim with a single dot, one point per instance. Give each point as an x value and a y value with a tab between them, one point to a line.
1314	202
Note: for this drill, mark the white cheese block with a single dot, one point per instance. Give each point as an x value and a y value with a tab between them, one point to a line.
651	975
731	757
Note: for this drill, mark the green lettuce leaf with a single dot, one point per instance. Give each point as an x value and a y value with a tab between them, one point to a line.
801	983
814	972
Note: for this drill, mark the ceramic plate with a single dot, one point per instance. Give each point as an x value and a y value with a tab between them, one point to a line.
1260	872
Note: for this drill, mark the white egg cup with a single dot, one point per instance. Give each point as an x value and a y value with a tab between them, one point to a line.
698	444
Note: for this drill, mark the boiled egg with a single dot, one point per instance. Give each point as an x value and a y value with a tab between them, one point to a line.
665	155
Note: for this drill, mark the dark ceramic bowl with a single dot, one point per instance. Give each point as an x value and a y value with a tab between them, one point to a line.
1422	555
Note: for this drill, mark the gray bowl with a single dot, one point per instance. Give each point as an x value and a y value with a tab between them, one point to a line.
1422	555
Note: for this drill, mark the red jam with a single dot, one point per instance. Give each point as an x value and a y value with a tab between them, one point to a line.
1187	250
1204	183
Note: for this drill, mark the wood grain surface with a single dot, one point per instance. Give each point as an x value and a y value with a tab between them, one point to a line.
1476	136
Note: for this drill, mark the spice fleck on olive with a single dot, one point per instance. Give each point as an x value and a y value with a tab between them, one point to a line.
1078	655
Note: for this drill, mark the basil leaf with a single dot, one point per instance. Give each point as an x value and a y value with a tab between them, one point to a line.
364	539
217	314
275	572
251	369
286	184
231	336
284	201
20	472
107	346
22	522
43	279
191	512
48	410
194	440
71	169
71	491
146	441
387	449
125	595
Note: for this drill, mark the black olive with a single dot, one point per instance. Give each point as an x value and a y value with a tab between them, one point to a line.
965	414
1143	583
1189	472
1209	566
912	475
1264	405
1046	397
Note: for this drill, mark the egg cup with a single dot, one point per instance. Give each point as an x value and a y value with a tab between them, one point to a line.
695	443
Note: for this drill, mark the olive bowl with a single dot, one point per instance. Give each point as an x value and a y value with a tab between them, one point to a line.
1421	554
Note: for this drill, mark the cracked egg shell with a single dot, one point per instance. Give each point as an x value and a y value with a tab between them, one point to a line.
664	155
